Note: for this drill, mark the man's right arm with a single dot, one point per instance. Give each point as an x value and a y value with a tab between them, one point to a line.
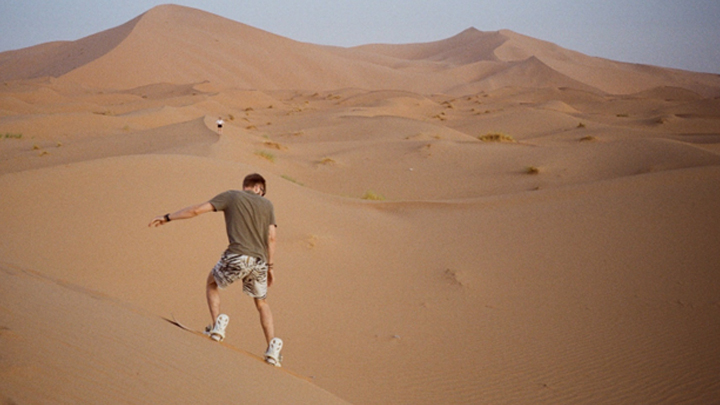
185	213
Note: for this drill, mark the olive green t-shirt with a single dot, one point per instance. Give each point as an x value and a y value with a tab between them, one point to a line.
248	217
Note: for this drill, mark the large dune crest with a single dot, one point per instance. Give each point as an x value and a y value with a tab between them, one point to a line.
182	45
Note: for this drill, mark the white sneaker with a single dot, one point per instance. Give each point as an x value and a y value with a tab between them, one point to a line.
217	333
272	355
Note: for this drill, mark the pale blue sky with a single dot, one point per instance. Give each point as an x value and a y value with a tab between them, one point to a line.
682	34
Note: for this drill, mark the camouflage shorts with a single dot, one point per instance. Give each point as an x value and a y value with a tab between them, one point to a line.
251	270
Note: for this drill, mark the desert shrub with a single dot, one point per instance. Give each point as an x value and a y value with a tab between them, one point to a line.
532	170
371	195
496	137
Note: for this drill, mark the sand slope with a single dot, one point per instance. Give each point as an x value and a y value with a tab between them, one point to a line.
487	218
109	352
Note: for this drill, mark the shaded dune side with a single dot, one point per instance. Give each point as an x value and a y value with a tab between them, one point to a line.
531	72
59	58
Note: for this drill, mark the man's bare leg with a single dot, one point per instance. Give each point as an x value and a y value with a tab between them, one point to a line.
266	319
212	293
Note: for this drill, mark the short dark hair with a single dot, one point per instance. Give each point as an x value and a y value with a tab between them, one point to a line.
252	179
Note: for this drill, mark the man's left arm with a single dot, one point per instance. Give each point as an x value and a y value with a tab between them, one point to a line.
272	237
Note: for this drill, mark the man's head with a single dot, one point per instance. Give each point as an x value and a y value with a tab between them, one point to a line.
255	183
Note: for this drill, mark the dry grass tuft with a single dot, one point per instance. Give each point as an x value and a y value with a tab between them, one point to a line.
274	145
292	180
266	155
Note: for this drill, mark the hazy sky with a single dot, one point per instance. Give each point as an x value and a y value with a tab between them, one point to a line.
682	34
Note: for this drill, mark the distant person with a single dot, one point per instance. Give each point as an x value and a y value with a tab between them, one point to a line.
219	123
251	231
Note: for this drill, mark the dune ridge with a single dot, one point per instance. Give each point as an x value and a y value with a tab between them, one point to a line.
487	218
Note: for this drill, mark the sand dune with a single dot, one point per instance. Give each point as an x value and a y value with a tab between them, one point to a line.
197	46
487	218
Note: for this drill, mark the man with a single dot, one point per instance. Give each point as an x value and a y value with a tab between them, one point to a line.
219	123
251	230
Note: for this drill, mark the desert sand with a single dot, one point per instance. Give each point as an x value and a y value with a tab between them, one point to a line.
485	219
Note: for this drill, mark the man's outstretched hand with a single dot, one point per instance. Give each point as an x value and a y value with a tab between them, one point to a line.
157	221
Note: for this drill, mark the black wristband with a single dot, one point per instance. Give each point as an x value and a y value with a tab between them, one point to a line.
167	217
